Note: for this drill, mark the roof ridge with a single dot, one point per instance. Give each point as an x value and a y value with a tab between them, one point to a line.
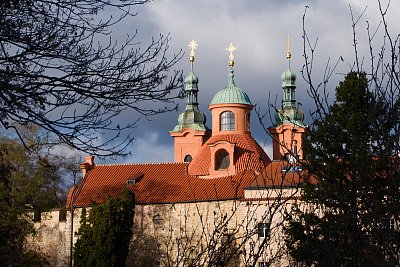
147	163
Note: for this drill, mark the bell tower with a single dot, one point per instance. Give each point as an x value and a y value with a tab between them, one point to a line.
289	120
191	131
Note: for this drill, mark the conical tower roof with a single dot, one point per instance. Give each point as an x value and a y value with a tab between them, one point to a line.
290	112
192	117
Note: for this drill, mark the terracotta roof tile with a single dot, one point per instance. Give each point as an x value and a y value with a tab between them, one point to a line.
278	174
161	183
248	154
171	182
71	192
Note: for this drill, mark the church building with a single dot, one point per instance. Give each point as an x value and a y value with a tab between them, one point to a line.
223	198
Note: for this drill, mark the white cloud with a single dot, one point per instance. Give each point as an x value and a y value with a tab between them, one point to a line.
66	152
148	149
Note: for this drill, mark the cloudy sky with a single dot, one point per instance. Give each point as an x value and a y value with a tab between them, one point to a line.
258	29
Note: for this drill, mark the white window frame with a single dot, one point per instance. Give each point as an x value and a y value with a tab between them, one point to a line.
227	121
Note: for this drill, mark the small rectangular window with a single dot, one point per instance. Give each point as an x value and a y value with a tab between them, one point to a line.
263	230
62	215
227	121
134	179
392	224
37	216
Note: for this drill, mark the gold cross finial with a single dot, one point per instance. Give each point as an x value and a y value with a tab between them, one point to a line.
192	45
231	48
288	54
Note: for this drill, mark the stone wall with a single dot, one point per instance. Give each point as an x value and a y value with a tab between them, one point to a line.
184	232
187	231
52	236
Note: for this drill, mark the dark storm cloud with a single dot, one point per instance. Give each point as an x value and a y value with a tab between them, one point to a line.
258	28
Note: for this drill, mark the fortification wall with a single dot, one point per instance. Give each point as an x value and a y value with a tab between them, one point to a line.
53	234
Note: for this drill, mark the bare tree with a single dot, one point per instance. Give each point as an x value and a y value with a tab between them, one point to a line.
61	70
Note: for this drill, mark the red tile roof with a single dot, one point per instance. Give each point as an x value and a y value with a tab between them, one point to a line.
172	182
248	154
160	183
281	174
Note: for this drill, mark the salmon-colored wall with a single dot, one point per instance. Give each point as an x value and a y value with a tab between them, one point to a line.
230	148
240	111
187	142
283	139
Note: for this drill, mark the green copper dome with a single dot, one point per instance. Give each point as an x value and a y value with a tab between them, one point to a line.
290	112
192	117
231	94
191	82
288	78
290	115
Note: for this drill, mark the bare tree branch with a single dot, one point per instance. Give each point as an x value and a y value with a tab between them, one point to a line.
61	70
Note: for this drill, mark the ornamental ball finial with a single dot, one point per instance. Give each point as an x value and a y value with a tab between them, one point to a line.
288	53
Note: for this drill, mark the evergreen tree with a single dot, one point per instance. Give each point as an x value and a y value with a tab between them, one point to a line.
351	196
15	223
104	238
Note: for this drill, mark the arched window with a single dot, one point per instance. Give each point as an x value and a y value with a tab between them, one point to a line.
227	121
188	158
222	160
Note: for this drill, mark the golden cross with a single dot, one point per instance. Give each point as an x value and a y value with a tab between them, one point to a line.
192	45
230	49
288	40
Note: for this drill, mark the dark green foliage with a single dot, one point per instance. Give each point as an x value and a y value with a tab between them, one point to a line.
37	178
29	182
32	258
15	224
104	237
354	155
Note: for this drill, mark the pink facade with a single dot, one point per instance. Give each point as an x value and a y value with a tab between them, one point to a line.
287	141
242	117
187	143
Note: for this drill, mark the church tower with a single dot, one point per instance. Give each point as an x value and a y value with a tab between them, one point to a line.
289	120
231	106
231	150
191	131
